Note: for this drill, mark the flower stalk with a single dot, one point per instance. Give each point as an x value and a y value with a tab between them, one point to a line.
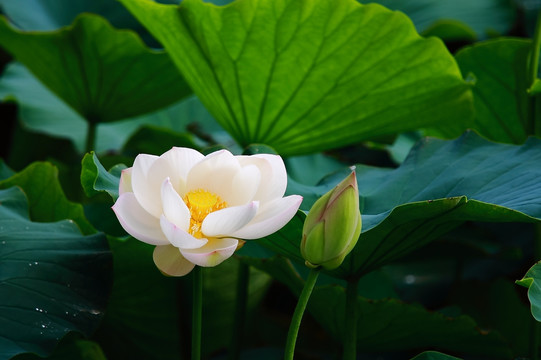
197	312
299	311
350	337
237	335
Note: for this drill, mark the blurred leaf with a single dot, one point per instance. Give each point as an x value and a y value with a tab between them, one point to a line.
219	296
292	89
142	319
532	280
101	72
5	171
154	140
388	324
500	92
71	347
310	169
433	355
42	111
46	199
39	109
440	185
94	177
450	30
485	17
59	13
54	280
148	316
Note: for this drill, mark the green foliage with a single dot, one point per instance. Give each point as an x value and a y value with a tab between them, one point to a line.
532	281
94	177
410	326
483	17
502	103
401	214
102	73
46	199
274	75
334	79
54	280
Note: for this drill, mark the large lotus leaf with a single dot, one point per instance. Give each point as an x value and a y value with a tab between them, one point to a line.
502	103
46	198
56	14
53	279
42	111
440	185
484	17
39	109
388	324
302	76
532	280
102	73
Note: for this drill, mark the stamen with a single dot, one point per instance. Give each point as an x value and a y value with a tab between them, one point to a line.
201	203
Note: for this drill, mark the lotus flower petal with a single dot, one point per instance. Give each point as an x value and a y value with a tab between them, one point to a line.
137	221
229	220
174	209
170	261
271	218
213	253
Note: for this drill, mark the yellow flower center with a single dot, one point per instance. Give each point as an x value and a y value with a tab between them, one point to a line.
201	203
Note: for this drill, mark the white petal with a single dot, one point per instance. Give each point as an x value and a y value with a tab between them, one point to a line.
215	174
137	222
244	185
175	164
170	261
227	221
271	218
174	208
213	253
273	173
178	237
145	192
125	181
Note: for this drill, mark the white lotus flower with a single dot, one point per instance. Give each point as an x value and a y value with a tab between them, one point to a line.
195	208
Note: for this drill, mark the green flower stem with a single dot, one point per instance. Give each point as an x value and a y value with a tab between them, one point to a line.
197	312
237	335
532	75
90	136
299	311
350	336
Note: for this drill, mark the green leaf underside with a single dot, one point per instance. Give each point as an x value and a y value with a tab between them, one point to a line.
46	198
500	92
532	280
94	177
102	73
440	185
387	324
54	280
303	76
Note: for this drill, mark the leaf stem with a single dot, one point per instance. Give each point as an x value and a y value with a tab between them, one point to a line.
239	321
534	58
350	336
197	312
533	66
299	311
90	136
